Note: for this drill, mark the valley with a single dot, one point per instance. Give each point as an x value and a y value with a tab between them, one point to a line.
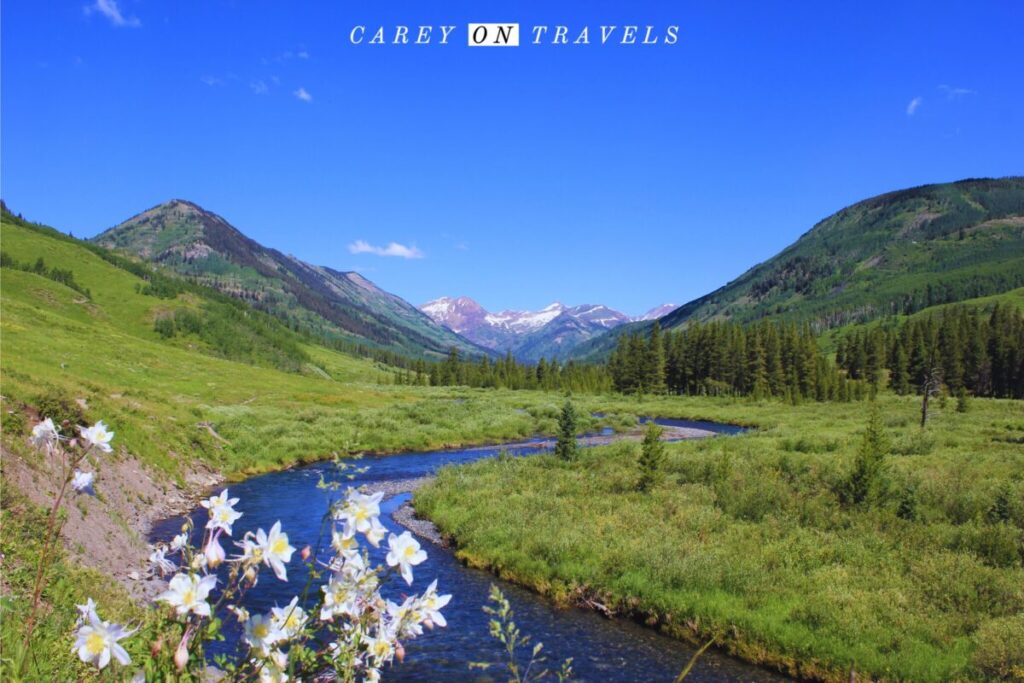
215	359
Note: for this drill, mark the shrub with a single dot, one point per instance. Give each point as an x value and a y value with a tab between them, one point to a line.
998	652
60	408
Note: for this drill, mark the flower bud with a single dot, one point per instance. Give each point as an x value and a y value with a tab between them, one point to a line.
181	654
214	553
306	552
156	647
399	652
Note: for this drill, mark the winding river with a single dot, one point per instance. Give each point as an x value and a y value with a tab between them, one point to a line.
602	650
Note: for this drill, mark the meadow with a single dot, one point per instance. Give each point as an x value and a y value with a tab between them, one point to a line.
749	540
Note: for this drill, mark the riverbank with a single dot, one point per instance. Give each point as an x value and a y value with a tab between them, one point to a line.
748	540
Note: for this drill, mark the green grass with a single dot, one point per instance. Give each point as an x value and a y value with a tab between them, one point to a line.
68	585
156	393
747	538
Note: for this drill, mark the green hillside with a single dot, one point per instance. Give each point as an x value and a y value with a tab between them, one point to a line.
321	301
893	254
169	397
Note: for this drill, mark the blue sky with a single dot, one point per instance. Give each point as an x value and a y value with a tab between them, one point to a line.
625	175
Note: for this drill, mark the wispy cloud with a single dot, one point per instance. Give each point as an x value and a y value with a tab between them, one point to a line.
392	249
111	11
259	87
914	105
303	95
955	93
212	81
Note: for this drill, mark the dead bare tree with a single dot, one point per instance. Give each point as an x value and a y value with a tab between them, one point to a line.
930	387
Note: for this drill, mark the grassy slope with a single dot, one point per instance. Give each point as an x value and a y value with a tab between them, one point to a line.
747	540
154	393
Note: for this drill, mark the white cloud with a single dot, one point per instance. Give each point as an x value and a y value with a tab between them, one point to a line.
212	80
914	105
954	93
392	249
303	95
259	87
110	10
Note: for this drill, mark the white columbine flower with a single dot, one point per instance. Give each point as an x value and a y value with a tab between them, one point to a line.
275	549
261	633
404	552
45	434
97	436
360	510
381	648
289	619
275	668
222	511
86	612
187	593
179	542
82	481
376	533
96	642
431	603
159	562
344	542
339	598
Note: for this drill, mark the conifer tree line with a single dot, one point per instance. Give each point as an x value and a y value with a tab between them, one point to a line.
967	349
506	373
720	358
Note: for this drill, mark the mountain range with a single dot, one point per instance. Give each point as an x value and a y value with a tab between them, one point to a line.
319	300
552	332
892	254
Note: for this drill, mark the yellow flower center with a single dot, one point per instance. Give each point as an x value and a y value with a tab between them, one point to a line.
261	631
279	546
409	551
188	597
95	644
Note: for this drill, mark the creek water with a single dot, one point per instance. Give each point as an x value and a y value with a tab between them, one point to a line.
602	650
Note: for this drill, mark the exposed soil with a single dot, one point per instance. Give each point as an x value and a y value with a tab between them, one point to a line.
108	530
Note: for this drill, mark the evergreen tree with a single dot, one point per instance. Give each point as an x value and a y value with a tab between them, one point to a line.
901	371
907	509
565	446
999	512
654	362
866	479
961	400
652	457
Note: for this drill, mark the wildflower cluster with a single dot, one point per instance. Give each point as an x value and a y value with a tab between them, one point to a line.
72	452
347	627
